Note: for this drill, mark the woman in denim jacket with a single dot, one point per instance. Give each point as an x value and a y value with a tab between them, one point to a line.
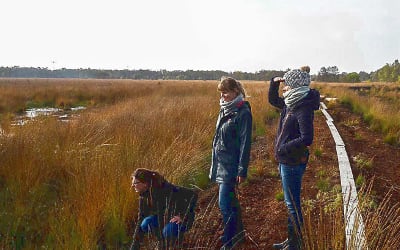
230	156
295	134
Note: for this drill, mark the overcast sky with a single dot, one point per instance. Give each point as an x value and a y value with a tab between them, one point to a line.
229	35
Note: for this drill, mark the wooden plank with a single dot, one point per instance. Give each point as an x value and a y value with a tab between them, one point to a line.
323	106
354	224
335	134
327	115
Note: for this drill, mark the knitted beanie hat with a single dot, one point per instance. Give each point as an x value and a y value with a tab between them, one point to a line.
297	78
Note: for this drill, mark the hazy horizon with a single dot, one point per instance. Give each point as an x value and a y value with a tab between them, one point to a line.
236	35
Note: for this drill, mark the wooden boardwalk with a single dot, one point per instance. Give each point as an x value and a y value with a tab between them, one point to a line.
354	225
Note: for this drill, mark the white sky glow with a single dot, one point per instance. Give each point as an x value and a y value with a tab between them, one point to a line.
229	35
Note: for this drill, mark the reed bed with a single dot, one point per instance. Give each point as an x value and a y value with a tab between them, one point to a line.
17	94
67	185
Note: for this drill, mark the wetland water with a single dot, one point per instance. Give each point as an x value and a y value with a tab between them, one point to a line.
62	114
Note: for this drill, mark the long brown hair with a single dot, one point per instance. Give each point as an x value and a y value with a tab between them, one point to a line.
231	84
153	179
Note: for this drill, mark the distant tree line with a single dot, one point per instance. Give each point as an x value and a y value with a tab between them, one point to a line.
388	73
30	72
332	74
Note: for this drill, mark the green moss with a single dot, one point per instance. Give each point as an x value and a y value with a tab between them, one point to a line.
318	152
391	139
362	162
323	185
279	196
360	180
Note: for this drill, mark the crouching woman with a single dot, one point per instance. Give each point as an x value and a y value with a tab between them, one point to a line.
165	210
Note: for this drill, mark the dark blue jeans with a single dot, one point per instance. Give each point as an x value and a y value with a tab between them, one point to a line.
291	183
170	232
231	214
149	224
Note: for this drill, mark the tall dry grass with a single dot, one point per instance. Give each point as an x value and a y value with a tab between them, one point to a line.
67	185
324	226
377	103
17	94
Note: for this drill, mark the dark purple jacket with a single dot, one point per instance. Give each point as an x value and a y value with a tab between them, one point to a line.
296	129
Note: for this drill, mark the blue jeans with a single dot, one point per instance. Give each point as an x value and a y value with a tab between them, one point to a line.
149	224
291	184
171	231
231	214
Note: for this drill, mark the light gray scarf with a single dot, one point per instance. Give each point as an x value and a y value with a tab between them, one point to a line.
227	107
291	97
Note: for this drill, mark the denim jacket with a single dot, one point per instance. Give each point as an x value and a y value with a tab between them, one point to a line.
231	144
296	130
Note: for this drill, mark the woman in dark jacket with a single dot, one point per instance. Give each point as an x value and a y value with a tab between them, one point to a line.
230	156
165	210
295	134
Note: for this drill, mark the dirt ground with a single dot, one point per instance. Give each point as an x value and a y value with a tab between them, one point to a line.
265	217
362	142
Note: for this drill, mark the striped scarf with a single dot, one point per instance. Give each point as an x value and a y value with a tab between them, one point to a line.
227	107
292	96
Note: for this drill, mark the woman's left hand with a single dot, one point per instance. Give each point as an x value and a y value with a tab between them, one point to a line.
176	219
